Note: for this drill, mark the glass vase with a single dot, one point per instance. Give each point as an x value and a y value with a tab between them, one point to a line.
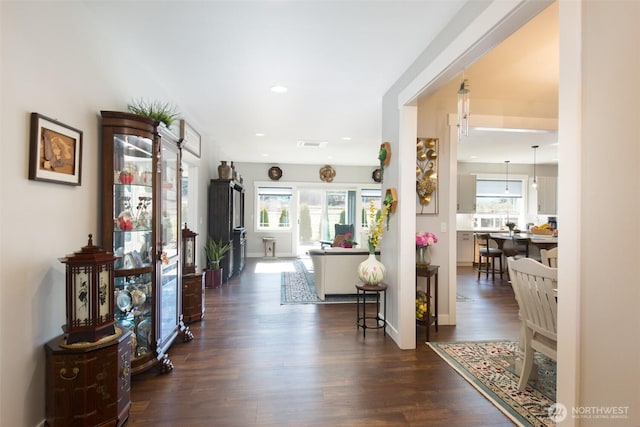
423	256
371	271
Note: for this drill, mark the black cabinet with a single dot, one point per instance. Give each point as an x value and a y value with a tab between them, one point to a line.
239	249
226	222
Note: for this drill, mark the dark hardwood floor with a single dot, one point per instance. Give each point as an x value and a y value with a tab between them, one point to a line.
254	362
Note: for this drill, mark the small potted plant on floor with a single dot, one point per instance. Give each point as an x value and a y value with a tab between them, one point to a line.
215	251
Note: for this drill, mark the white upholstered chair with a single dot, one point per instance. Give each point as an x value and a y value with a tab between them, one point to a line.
533	285
549	257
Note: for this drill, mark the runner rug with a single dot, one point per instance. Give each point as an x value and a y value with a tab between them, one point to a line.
489	367
299	288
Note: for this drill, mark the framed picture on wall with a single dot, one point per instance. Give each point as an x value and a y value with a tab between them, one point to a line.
55	153
191	138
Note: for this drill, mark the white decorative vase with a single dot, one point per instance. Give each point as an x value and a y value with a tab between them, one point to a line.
371	271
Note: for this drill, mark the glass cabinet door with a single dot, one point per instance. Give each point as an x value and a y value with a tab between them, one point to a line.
169	241
132	237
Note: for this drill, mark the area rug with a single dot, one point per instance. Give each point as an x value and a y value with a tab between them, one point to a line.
489	367
299	288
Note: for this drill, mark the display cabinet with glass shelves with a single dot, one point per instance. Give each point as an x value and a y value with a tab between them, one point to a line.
141	225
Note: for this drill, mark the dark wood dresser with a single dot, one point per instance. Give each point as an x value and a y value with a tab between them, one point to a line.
88	385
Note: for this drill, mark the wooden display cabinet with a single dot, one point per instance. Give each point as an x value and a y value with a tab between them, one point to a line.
141	190
88	384
193	297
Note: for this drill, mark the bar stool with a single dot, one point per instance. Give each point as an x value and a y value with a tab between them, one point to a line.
489	254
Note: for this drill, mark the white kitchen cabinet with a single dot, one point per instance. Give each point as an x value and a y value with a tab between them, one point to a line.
465	248
547	195
466	194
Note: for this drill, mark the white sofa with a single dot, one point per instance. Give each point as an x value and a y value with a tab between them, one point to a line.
336	269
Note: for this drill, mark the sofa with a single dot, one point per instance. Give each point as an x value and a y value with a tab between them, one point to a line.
336	269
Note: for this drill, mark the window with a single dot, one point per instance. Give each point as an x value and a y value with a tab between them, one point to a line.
369	195
274	207
495	207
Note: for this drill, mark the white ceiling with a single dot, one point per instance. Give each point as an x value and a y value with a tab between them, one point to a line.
217	60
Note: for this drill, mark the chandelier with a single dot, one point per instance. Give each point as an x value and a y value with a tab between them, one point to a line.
463	108
506	180
535	178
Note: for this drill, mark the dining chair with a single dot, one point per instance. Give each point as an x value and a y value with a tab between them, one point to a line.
340	230
533	285
489	254
549	257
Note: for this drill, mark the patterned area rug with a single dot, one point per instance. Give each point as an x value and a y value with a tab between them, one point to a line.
299	288
489	367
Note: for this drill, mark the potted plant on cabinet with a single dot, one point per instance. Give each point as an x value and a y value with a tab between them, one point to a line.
215	251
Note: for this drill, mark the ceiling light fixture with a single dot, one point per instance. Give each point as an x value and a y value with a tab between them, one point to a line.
259	134
463	108
506	181
346	138
535	179
311	143
279	89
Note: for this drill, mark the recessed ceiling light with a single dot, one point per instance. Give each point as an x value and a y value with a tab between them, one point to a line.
265	155
311	143
346	138
259	134
278	89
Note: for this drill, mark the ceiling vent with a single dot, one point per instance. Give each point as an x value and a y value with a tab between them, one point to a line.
311	143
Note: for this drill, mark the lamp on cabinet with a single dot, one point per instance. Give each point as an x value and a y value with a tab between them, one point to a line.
89	294
188	251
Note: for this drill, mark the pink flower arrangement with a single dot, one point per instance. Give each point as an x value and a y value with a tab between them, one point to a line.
426	239
348	241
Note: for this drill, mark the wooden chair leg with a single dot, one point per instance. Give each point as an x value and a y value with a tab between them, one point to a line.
500	267
527	367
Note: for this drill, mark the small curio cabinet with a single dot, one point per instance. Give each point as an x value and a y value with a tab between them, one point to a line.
192	282
141	226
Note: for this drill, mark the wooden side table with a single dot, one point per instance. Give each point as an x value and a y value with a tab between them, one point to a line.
361	321
432	318
269	242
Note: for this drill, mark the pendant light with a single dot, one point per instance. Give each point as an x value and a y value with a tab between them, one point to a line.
535	178
506	180
463	108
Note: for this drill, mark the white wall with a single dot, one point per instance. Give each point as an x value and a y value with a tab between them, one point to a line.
53	63
599	344
306	176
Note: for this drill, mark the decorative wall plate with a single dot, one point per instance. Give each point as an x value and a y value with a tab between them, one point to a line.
327	173
377	175
275	173
123	301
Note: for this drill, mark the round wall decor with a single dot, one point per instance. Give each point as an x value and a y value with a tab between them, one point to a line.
377	175
327	173
275	173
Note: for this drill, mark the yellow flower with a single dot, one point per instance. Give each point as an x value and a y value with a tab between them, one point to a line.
376	224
